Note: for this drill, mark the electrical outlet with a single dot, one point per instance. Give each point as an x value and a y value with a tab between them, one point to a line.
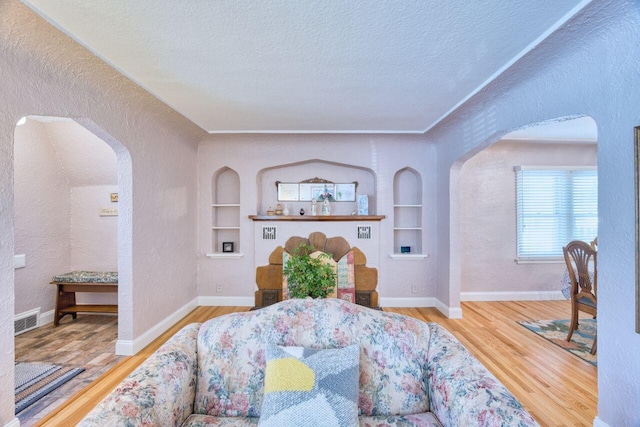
219	288
414	288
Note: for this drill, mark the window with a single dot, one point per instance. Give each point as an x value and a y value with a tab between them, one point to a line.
554	206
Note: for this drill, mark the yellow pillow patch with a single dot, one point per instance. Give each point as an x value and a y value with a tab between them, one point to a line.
288	374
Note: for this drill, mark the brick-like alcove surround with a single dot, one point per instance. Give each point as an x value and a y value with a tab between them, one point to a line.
269	277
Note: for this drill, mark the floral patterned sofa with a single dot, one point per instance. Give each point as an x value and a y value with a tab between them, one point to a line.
411	373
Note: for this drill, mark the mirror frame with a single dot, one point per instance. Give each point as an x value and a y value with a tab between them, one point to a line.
305	191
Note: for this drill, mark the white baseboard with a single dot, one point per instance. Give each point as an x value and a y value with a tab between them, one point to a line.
131	347
46	318
407	302
226	301
450	312
511	296
13	423
597	422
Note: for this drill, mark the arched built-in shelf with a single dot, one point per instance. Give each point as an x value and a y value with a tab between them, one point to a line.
407	214
225	211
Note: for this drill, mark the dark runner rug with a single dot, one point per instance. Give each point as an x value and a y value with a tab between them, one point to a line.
35	380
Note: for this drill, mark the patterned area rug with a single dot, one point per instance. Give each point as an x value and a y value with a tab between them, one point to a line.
35	380
556	331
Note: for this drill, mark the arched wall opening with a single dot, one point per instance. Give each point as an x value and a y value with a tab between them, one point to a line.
77	168
483	265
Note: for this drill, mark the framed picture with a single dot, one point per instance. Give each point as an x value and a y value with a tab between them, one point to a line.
227	246
288	191
345	192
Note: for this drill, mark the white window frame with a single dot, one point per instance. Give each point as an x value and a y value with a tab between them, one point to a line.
548	258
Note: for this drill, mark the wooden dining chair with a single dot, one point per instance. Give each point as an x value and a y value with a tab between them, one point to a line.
594	244
578	256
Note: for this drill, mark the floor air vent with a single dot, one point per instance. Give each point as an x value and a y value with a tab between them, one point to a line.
26	321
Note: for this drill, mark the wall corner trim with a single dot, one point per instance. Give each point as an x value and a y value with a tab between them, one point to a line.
131	347
450	312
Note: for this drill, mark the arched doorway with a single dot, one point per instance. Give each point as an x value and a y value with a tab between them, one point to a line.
67	175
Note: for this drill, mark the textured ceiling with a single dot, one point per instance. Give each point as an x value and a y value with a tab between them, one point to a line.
85	159
582	129
301	66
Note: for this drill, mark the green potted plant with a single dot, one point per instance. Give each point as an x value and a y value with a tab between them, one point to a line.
307	276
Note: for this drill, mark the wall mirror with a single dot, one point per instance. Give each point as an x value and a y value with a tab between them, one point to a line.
318	189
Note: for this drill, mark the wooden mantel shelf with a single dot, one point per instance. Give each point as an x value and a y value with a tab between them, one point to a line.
317	218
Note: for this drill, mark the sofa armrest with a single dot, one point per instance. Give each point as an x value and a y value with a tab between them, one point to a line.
161	391
462	392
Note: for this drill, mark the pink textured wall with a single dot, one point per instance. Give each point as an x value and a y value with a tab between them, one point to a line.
42	217
588	67
94	238
381	156
44	72
488	217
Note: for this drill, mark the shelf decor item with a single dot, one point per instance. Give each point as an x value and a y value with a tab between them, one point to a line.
363	204
326	207
405	249
227	246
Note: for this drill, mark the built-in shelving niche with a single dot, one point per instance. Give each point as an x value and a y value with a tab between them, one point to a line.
225	210
267	196
407	212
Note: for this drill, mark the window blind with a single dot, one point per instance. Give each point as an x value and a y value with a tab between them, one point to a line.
554	206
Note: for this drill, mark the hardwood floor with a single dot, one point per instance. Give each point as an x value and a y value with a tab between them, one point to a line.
88	342
558	388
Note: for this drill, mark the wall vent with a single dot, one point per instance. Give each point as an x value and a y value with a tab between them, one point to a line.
269	232
26	321
364	232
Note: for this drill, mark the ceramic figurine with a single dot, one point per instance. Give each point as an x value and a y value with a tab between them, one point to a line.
326	207
301	211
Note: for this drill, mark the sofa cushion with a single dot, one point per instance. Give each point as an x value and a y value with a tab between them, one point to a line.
197	420
318	387
393	355
426	419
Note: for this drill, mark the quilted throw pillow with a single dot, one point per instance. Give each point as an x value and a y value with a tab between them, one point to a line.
310	387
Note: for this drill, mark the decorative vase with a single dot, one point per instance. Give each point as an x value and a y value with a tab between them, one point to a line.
326	207
314	207
285	211
301	211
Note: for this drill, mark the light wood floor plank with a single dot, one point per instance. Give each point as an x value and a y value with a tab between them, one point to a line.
558	388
